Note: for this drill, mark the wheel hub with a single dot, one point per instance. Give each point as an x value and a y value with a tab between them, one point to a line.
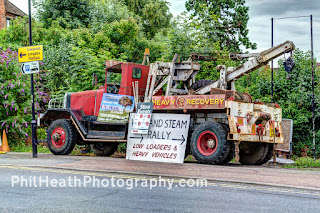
207	143
58	137
211	143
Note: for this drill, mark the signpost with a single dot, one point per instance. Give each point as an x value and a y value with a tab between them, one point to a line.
31	54
165	141
30	67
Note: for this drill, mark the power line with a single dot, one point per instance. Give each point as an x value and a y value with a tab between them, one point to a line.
291	17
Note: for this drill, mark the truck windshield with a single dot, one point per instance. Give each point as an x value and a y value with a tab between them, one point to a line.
114	78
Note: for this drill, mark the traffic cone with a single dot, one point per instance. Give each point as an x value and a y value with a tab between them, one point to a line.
5	146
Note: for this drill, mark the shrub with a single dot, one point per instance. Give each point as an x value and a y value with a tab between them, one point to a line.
15	101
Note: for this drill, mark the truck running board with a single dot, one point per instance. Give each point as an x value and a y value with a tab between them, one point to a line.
95	139
108	135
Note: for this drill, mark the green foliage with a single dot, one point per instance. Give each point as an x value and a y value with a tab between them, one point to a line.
70	68
221	21
293	95
103	12
22	147
74	13
154	14
122	147
305	162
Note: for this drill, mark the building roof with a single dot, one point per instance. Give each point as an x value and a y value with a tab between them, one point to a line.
11	8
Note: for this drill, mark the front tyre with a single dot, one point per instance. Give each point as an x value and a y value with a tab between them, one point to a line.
61	137
209	143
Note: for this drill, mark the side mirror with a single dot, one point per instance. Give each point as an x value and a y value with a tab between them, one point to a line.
94	79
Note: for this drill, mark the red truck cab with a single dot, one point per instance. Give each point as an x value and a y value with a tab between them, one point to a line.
124	73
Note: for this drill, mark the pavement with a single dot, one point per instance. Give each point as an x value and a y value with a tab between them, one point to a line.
268	174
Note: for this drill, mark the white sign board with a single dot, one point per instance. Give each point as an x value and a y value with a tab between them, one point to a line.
165	141
30	67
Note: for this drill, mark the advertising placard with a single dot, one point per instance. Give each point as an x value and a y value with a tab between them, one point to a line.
142	118
115	108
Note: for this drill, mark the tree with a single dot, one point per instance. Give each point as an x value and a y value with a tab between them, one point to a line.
71	14
154	14
223	21
107	11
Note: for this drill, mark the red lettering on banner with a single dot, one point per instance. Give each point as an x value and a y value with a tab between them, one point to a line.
138	153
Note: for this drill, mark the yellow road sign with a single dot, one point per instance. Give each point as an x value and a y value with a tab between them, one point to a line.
31	53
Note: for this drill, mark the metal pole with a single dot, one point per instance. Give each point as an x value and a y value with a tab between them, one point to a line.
33	121
312	68
272	61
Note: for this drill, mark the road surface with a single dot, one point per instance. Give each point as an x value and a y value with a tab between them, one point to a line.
20	192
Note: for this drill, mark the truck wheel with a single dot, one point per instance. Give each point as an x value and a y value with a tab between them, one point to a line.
232	148
268	155
104	149
200	83
209	143
61	137
253	153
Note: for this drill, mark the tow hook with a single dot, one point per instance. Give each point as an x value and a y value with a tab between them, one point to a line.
260	130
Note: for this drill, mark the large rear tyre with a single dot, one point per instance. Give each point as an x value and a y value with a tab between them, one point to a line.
209	143
231	153
268	155
61	137
104	149
254	153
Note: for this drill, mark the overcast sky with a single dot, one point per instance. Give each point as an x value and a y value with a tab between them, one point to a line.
260	14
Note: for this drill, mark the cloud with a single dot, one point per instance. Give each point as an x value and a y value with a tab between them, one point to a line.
277	8
294	29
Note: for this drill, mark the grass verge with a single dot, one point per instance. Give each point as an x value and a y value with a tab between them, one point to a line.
304	162
28	148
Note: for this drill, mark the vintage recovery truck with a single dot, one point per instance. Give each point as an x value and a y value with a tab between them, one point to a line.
224	123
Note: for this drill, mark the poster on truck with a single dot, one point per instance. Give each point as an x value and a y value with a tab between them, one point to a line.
165	141
115	108
142	119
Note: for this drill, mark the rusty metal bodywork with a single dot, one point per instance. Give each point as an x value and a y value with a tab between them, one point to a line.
246	118
247	121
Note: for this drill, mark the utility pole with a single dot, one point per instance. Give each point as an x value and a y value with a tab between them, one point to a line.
313	118
272	61
33	121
